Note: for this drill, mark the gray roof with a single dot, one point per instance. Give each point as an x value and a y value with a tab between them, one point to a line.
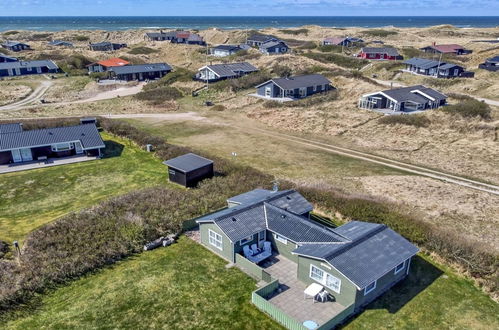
29	64
390	51
413	93
13	43
299	81
372	251
290	200
161	34
297	228
60	43
188	162
8	57
232	48
231	69
447	66
11	128
270	44
261	37
87	134
148	67
494	59
425	63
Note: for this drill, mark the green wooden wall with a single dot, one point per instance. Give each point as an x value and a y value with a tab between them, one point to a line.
227	252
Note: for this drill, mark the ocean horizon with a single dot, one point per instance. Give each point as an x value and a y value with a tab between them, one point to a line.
117	23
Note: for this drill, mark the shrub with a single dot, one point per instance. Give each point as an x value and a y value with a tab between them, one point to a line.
40	36
218	107
75	64
409	120
81	38
98	75
180	74
308	45
378	33
330	49
294	32
441	82
10	33
341	60
469	109
4	248
281	70
142	50
159	95
248	81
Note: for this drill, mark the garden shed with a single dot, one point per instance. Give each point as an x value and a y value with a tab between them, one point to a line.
189	169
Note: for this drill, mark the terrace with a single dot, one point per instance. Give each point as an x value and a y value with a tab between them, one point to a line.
283	298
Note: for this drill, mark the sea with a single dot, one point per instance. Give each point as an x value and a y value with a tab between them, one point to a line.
59	23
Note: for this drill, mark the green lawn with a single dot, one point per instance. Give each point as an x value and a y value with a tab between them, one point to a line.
432	297
183	286
32	198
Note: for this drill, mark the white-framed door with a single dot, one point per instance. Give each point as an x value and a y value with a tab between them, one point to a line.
78	148
268	91
16	156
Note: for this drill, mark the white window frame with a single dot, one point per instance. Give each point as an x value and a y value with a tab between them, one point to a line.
314	274
246	240
366	290
261	235
214	239
397	269
66	146
281	239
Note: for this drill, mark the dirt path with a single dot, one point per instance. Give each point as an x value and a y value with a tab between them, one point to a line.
397	84
34	96
38	93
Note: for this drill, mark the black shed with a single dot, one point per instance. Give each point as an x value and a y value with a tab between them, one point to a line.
189	169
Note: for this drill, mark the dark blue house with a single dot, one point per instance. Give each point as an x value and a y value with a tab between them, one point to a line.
274	47
21	68
15	46
4	58
292	88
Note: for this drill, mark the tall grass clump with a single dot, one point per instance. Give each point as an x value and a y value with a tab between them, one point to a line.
408	120
344	61
378	33
469	109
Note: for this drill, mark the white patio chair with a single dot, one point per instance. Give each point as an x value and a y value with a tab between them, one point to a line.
247	252
254	248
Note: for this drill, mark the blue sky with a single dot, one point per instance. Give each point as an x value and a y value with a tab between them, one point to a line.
248	7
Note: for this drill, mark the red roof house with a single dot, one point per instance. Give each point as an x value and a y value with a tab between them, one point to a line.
105	65
446	49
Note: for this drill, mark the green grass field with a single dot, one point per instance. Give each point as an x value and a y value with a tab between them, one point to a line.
184	286
32	198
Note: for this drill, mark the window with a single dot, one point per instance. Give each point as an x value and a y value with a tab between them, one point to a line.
399	267
325	278
246	240
62	147
370	287
261	235
281	239
215	239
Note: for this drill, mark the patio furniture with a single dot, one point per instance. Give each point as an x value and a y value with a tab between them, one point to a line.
312	290
309	324
247	252
323	296
261	255
255	249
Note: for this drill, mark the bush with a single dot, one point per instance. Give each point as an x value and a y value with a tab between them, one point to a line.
248	81
282	70
40	36
142	50
409	120
98	75
81	38
441	82
469	109
75	64
10	33
330	49
159	95
294	32
308	45
218	107
4	248
180	74
344	61
378	33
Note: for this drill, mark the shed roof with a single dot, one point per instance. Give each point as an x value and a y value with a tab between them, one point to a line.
299	81
188	162
390	51
11	128
139	68
29	64
87	134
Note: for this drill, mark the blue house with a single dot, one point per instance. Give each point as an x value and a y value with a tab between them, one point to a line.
274	47
21	68
15	46
292	88
4	58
